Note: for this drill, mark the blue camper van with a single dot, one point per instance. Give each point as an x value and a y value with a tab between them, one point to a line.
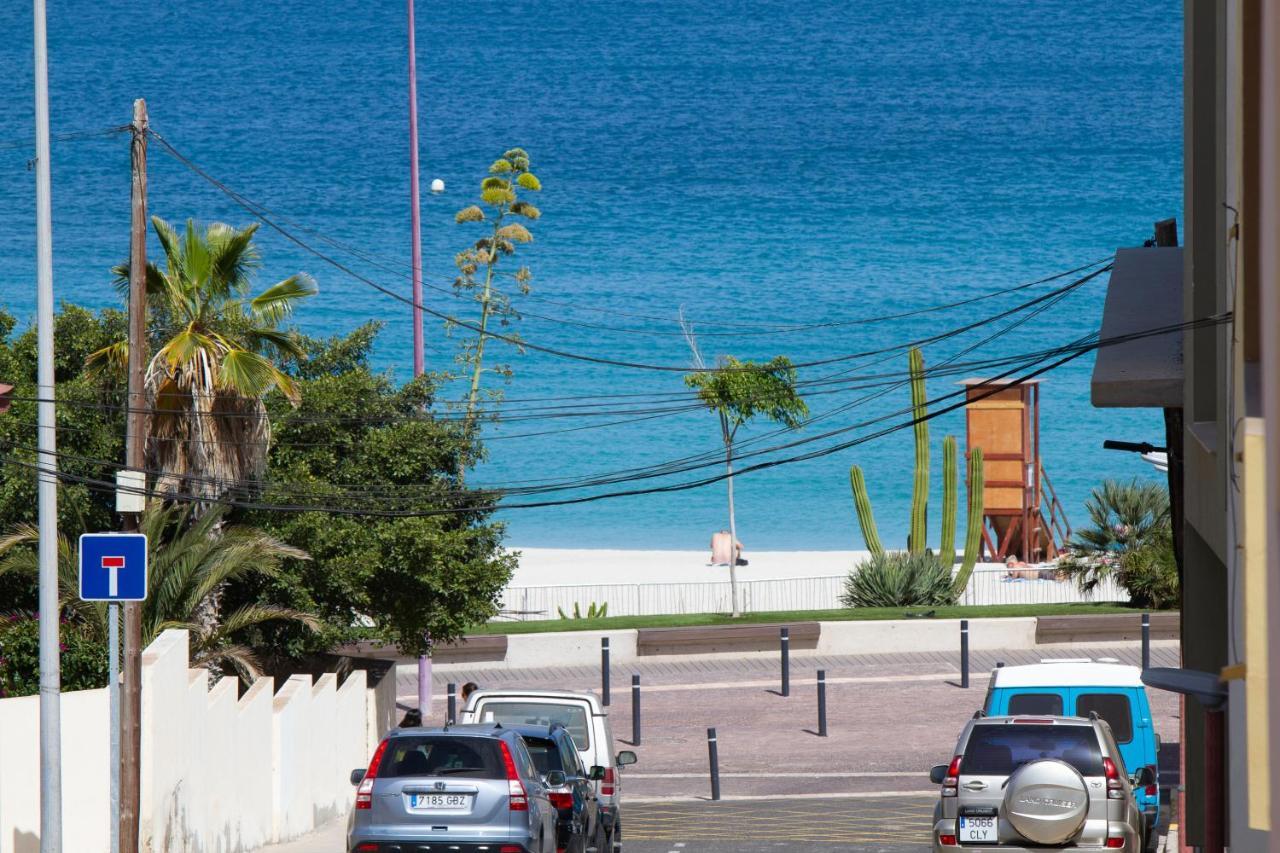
1077	688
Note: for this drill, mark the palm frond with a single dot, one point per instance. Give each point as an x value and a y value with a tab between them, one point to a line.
111	360
278	301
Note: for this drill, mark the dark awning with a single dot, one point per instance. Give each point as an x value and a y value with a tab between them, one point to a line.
1145	293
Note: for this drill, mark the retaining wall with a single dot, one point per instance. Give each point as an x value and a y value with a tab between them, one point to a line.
221	773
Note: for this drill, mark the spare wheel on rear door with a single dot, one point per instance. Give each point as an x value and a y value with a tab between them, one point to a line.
1046	801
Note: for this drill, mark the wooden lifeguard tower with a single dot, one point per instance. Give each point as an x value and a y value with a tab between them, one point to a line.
1022	516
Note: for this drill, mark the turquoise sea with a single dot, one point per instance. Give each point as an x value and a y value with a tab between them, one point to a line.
758	163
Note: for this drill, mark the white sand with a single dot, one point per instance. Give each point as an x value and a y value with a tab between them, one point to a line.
572	566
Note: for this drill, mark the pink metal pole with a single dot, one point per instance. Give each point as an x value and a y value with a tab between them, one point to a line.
415	213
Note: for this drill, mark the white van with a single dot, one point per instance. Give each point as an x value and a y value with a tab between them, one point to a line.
586	721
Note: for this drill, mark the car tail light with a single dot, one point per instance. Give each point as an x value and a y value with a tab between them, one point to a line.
367	847
1033	721
607	783
1153	789
1115	788
517	797
947	840
560	799
510	848
950	784
1115	843
364	793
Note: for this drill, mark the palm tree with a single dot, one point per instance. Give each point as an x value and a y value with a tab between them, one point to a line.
189	563
216	352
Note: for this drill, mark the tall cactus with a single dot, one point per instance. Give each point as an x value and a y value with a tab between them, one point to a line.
866	519
950	488
917	542
973	533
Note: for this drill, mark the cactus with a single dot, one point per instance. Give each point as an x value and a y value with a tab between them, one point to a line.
973	532
866	519
917	541
950	487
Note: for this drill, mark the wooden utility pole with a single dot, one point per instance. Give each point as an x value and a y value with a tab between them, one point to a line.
135	460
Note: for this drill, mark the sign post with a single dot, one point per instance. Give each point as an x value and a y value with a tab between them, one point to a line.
113	568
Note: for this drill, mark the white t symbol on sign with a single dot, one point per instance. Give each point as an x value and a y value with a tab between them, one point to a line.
113	565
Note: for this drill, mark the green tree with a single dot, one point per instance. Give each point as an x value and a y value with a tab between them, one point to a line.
188	563
90	429
216	349
395	580
739	392
499	210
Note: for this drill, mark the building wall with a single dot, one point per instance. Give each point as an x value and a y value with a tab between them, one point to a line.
1231	99
215	765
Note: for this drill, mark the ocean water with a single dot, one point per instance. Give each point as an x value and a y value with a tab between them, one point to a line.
756	163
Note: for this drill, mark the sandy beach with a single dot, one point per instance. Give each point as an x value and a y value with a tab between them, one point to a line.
566	566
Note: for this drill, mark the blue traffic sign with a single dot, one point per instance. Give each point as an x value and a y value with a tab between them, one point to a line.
113	566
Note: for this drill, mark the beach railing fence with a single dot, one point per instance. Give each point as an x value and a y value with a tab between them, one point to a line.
987	585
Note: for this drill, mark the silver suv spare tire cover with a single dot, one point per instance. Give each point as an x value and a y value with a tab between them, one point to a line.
1046	801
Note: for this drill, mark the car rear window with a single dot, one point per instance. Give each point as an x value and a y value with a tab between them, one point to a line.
441	755
1035	704
1112	707
999	750
515	713
545	754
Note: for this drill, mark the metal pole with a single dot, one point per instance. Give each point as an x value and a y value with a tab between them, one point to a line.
452	710
47	493
635	710
822	703
964	653
415	214
113	693
604	671
1146	641
135	445
784	642
424	686
713	755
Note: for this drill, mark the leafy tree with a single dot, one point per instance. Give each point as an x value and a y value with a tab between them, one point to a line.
215	356
396	580
500	205
1130	538
188	563
90	428
738	392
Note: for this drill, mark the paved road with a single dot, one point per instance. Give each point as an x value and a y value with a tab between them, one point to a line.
780	826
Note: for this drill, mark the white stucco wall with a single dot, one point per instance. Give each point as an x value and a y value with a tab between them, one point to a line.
220	773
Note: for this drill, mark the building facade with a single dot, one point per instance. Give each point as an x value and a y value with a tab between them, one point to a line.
1218	380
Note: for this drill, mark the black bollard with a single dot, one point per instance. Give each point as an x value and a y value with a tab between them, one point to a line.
635	710
964	653
1146	641
714	756
452	707
604	671
822	703
784	641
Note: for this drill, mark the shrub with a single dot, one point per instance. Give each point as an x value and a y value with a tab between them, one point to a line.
1131	540
899	579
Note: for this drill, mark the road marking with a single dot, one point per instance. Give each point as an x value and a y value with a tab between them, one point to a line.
861	795
865	774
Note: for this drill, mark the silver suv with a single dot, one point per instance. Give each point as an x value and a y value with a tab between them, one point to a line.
1030	782
464	789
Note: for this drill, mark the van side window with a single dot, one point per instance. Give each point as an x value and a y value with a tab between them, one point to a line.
1112	707
1035	704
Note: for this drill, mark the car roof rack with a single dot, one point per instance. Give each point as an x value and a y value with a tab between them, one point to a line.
979	714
